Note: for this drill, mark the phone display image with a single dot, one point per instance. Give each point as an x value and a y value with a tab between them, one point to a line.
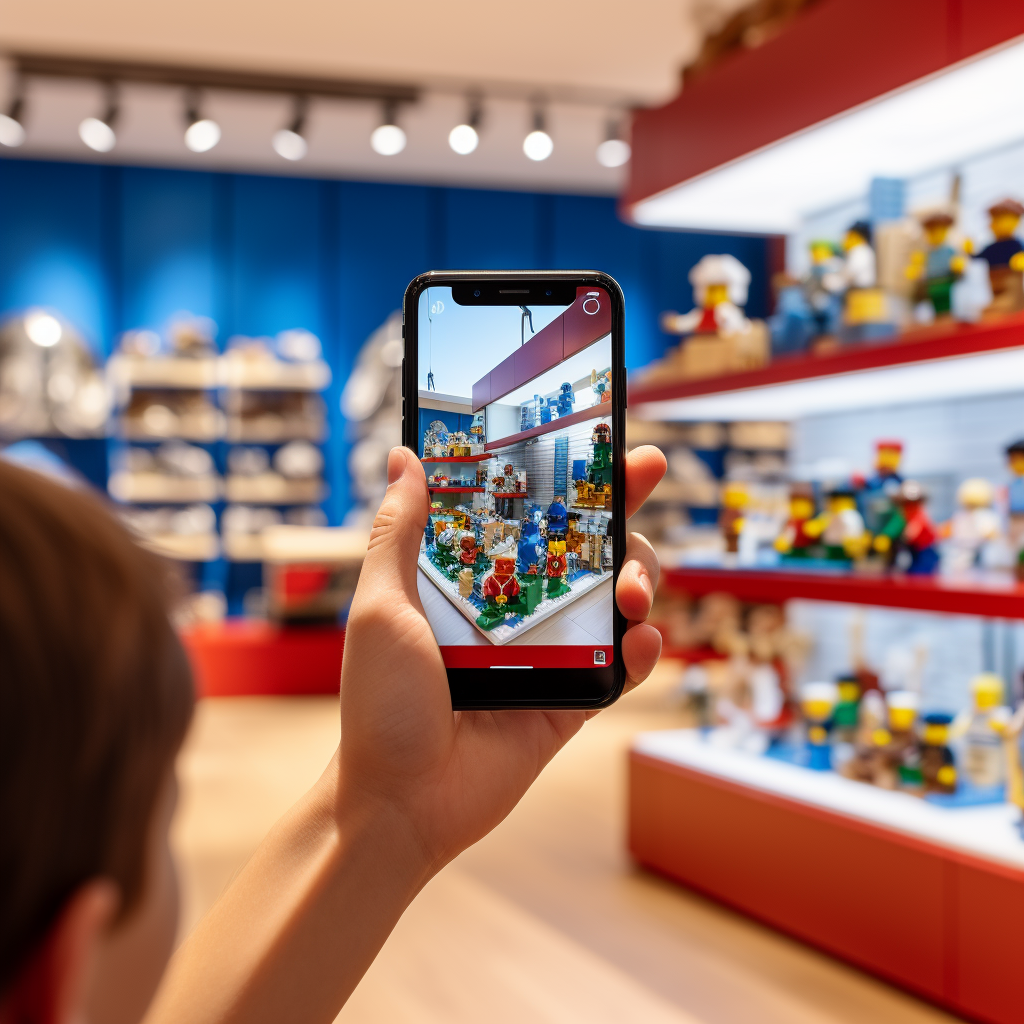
515	414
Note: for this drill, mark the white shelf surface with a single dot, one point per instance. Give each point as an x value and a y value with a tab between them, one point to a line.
989	832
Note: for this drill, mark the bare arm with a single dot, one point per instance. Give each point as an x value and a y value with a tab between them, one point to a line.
412	784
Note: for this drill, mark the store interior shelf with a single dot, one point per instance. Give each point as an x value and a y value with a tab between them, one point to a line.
593	413
997	596
482	457
936	362
456	490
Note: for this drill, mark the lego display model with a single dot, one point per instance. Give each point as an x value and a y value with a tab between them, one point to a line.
508	562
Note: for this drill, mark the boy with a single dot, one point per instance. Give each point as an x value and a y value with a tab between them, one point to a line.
95	698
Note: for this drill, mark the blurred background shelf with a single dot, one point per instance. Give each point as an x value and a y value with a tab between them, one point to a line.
271	489
274	375
200	548
158	487
140	372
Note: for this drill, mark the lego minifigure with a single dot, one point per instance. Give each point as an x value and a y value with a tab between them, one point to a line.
558	518
821	287
468	550
898	761
602	385
600	472
500	588
841	527
566	399
936	269
465	582
909	535
557	569
720	286
938	766
1012	732
1005	258
869	740
981	726
973	527
818	702
444	547
799	536
847	708
865	308
1015	504
879	492
735	498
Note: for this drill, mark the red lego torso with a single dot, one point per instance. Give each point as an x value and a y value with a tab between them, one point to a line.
496	584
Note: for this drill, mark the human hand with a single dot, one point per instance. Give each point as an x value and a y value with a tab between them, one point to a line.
445	778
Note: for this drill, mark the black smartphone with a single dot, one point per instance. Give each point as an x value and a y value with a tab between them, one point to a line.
514	397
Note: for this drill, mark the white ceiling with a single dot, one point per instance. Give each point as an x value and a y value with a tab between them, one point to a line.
583	57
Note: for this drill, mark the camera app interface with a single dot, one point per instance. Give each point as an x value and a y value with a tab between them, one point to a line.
515	428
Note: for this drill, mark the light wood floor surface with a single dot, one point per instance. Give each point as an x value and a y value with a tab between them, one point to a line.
545	920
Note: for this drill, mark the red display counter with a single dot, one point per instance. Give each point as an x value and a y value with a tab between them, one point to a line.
926	897
245	657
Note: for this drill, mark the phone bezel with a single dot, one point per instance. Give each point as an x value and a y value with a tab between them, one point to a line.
479	689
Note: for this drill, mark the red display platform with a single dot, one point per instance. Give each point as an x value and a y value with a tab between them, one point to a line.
998	597
921	346
240	658
917	911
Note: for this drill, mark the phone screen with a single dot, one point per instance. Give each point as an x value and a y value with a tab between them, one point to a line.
515	433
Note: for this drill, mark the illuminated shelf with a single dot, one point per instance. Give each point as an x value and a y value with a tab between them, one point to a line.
996	596
158	488
483	457
273	375
203	547
456	490
166	372
928	364
599	411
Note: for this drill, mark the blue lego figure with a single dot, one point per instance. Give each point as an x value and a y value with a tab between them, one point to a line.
531	548
790	325
558	517
566	399
545	412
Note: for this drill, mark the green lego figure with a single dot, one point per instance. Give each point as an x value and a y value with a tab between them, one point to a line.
601	468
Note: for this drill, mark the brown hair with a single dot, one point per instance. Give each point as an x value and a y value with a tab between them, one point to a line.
95	699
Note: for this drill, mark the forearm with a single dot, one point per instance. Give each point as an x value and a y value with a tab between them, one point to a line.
294	933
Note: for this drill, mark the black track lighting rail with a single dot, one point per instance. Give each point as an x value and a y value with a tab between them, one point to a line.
38	65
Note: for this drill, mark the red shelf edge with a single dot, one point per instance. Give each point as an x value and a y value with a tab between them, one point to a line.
964	340
932	595
459	458
457	490
593	413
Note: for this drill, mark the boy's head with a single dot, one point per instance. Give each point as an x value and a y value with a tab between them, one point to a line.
95	699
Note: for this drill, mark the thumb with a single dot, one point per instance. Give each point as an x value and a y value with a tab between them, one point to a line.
398	528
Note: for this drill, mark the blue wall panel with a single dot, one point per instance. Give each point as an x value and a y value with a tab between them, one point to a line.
53	243
275	255
170	258
493	230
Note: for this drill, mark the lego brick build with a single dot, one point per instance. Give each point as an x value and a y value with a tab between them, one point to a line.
515	419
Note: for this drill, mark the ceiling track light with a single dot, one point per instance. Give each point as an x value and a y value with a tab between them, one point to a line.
98	132
614	151
12	127
465	137
388	139
290	143
538	144
201	133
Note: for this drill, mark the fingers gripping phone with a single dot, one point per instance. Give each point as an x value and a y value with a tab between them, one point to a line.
514	398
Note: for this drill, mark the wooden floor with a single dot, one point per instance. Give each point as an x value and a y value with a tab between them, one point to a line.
543	921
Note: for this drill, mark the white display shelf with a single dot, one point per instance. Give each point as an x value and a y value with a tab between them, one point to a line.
273	374
989	831
188	374
274	489
158	488
203	547
255	432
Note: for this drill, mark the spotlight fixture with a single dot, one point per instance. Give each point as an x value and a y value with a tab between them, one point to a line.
538	145
465	137
615	150
12	131
201	133
98	132
387	138
290	143
43	329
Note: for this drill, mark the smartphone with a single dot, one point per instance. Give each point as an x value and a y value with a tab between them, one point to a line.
514	397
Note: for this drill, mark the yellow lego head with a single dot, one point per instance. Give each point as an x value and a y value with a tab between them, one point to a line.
841	501
986	691
936	734
903	707
1004	217
888	456
822	252
715	294
734	495
1015	457
849	691
800	506
936	233
818	701
556	547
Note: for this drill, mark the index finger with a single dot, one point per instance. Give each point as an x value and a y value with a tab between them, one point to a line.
645	466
